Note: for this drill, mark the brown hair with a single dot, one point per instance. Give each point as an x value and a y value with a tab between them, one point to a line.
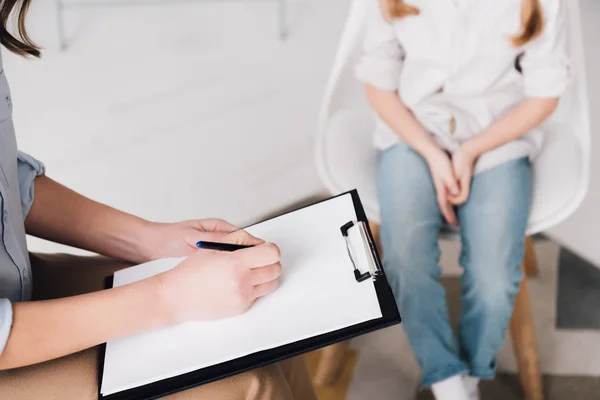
22	44
532	20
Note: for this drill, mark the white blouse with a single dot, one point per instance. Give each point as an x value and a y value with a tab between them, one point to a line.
454	67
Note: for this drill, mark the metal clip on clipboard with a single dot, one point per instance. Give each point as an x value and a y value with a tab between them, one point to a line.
375	269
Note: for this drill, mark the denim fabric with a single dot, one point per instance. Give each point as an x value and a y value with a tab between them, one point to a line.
492	229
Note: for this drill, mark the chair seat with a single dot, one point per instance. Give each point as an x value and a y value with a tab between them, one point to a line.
351	162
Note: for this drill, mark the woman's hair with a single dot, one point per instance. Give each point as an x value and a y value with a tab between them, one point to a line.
22	44
532	20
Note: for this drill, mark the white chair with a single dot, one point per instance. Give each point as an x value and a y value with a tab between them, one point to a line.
346	159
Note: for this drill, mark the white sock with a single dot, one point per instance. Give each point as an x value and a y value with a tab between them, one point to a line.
452	388
472	386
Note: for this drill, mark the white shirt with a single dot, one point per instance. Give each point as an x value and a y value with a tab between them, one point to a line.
454	68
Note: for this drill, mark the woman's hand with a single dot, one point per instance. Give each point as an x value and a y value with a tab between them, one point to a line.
179	239
212	285
445	182
206	286
463	162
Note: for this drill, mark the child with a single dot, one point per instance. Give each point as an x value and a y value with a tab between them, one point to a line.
460	88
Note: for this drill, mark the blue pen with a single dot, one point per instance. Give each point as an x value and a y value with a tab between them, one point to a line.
220	246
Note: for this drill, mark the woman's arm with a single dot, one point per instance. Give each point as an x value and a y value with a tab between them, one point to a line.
44	330
390	108
379	68
521	119
388	105
208	285
546	75
64	216
524	117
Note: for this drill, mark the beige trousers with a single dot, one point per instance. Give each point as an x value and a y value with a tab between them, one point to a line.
76	376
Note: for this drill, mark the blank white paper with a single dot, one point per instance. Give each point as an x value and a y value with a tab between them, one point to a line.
318	294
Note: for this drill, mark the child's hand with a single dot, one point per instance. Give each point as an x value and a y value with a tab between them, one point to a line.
462	162
445	182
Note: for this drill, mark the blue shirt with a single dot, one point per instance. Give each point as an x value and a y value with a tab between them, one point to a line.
17	173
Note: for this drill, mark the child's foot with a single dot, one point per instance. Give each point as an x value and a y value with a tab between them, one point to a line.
452	388
472	386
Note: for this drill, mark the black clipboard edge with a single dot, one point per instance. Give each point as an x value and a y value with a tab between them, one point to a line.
165	387
387	302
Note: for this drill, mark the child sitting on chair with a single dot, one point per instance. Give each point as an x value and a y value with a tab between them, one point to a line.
460	88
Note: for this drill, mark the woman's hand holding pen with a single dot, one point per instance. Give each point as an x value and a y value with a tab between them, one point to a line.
211	285
162	240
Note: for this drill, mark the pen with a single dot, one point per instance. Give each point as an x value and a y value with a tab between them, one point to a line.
220	246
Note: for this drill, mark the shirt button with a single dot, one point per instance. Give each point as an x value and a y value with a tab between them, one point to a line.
5	215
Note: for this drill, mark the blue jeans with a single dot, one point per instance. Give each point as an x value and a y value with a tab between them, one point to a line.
492	229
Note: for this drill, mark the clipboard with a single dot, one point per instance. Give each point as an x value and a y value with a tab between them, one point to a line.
373	274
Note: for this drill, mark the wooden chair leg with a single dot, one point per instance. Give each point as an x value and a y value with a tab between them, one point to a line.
524	345
331	364
375	231
531	266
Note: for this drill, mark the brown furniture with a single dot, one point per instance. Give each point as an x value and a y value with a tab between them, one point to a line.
521	329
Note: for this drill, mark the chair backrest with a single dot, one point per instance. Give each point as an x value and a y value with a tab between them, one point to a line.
561	171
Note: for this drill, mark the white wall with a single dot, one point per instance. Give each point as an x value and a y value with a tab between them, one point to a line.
580	232
185	110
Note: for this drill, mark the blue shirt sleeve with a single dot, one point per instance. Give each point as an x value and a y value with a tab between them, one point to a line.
28	169
6	318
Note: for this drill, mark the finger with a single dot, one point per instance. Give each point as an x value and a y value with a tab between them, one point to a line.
457	200
451	184
215	225
447	211
442	203
265	274
240	236
443	187
258	256
265	289
452	220
465	183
